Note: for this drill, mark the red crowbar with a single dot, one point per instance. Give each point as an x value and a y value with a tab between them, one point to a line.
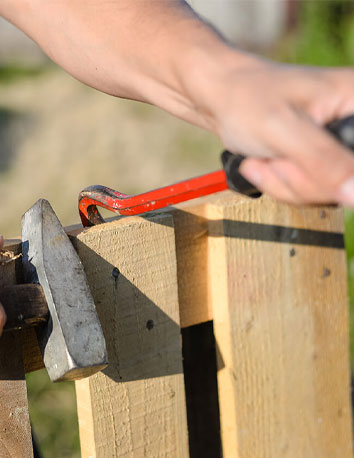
228	178
124	204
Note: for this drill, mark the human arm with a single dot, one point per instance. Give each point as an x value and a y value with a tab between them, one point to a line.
160	52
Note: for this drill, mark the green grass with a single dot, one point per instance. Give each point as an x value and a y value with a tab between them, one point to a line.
10	73
349	243
53	416
324	35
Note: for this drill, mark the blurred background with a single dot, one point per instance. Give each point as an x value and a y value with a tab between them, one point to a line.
58	136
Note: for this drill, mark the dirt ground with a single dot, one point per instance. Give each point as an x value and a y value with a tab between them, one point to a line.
58	136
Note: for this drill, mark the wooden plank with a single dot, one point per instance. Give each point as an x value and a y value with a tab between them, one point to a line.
25	306
192	251
32	357
273	279
281	329
15	429
135	407
191	232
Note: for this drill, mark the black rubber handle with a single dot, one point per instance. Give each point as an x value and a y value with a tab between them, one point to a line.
342	129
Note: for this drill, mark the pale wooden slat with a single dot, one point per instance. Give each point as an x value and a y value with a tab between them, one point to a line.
192	229
280	324
281	329
136	407
192	250
15	429
191	232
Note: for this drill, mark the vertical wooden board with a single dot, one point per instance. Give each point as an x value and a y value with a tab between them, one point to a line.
281	329
86	420
15	429
136	407
191	232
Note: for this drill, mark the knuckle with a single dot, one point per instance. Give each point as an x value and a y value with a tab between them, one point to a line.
277	120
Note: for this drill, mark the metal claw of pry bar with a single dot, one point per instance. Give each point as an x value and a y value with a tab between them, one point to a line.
227	178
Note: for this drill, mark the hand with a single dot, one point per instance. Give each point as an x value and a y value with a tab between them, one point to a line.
271	112
275	114
2	311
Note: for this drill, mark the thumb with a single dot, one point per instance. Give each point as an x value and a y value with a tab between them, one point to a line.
2	318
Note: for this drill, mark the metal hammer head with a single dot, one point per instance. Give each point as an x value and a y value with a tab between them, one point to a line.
72	342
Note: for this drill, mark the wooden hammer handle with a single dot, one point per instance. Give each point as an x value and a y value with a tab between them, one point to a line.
25	306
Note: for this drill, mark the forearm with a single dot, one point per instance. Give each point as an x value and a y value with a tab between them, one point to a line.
147	50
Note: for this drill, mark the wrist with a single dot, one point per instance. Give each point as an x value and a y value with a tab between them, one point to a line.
206	74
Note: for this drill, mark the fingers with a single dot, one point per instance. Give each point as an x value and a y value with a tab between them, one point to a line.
328	164
283	180
261	175
306	190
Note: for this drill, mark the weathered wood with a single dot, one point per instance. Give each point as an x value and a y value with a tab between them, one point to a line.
15	429
25	306
273	279
279	301
191	238
135	407
191	232
32	356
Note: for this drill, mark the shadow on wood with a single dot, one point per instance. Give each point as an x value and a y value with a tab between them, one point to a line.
135	329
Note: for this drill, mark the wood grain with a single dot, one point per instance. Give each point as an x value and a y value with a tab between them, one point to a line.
15	429
191	233
25	306
281	328
135	407
273	279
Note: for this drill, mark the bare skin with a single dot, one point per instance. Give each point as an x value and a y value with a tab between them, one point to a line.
160	52
2	311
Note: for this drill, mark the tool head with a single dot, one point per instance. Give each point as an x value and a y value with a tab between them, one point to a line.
72	341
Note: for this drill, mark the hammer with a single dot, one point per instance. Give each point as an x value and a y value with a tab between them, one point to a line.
56	299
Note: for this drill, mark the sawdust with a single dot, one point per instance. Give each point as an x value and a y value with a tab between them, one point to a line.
6	257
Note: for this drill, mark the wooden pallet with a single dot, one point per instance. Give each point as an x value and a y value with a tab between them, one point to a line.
226	324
